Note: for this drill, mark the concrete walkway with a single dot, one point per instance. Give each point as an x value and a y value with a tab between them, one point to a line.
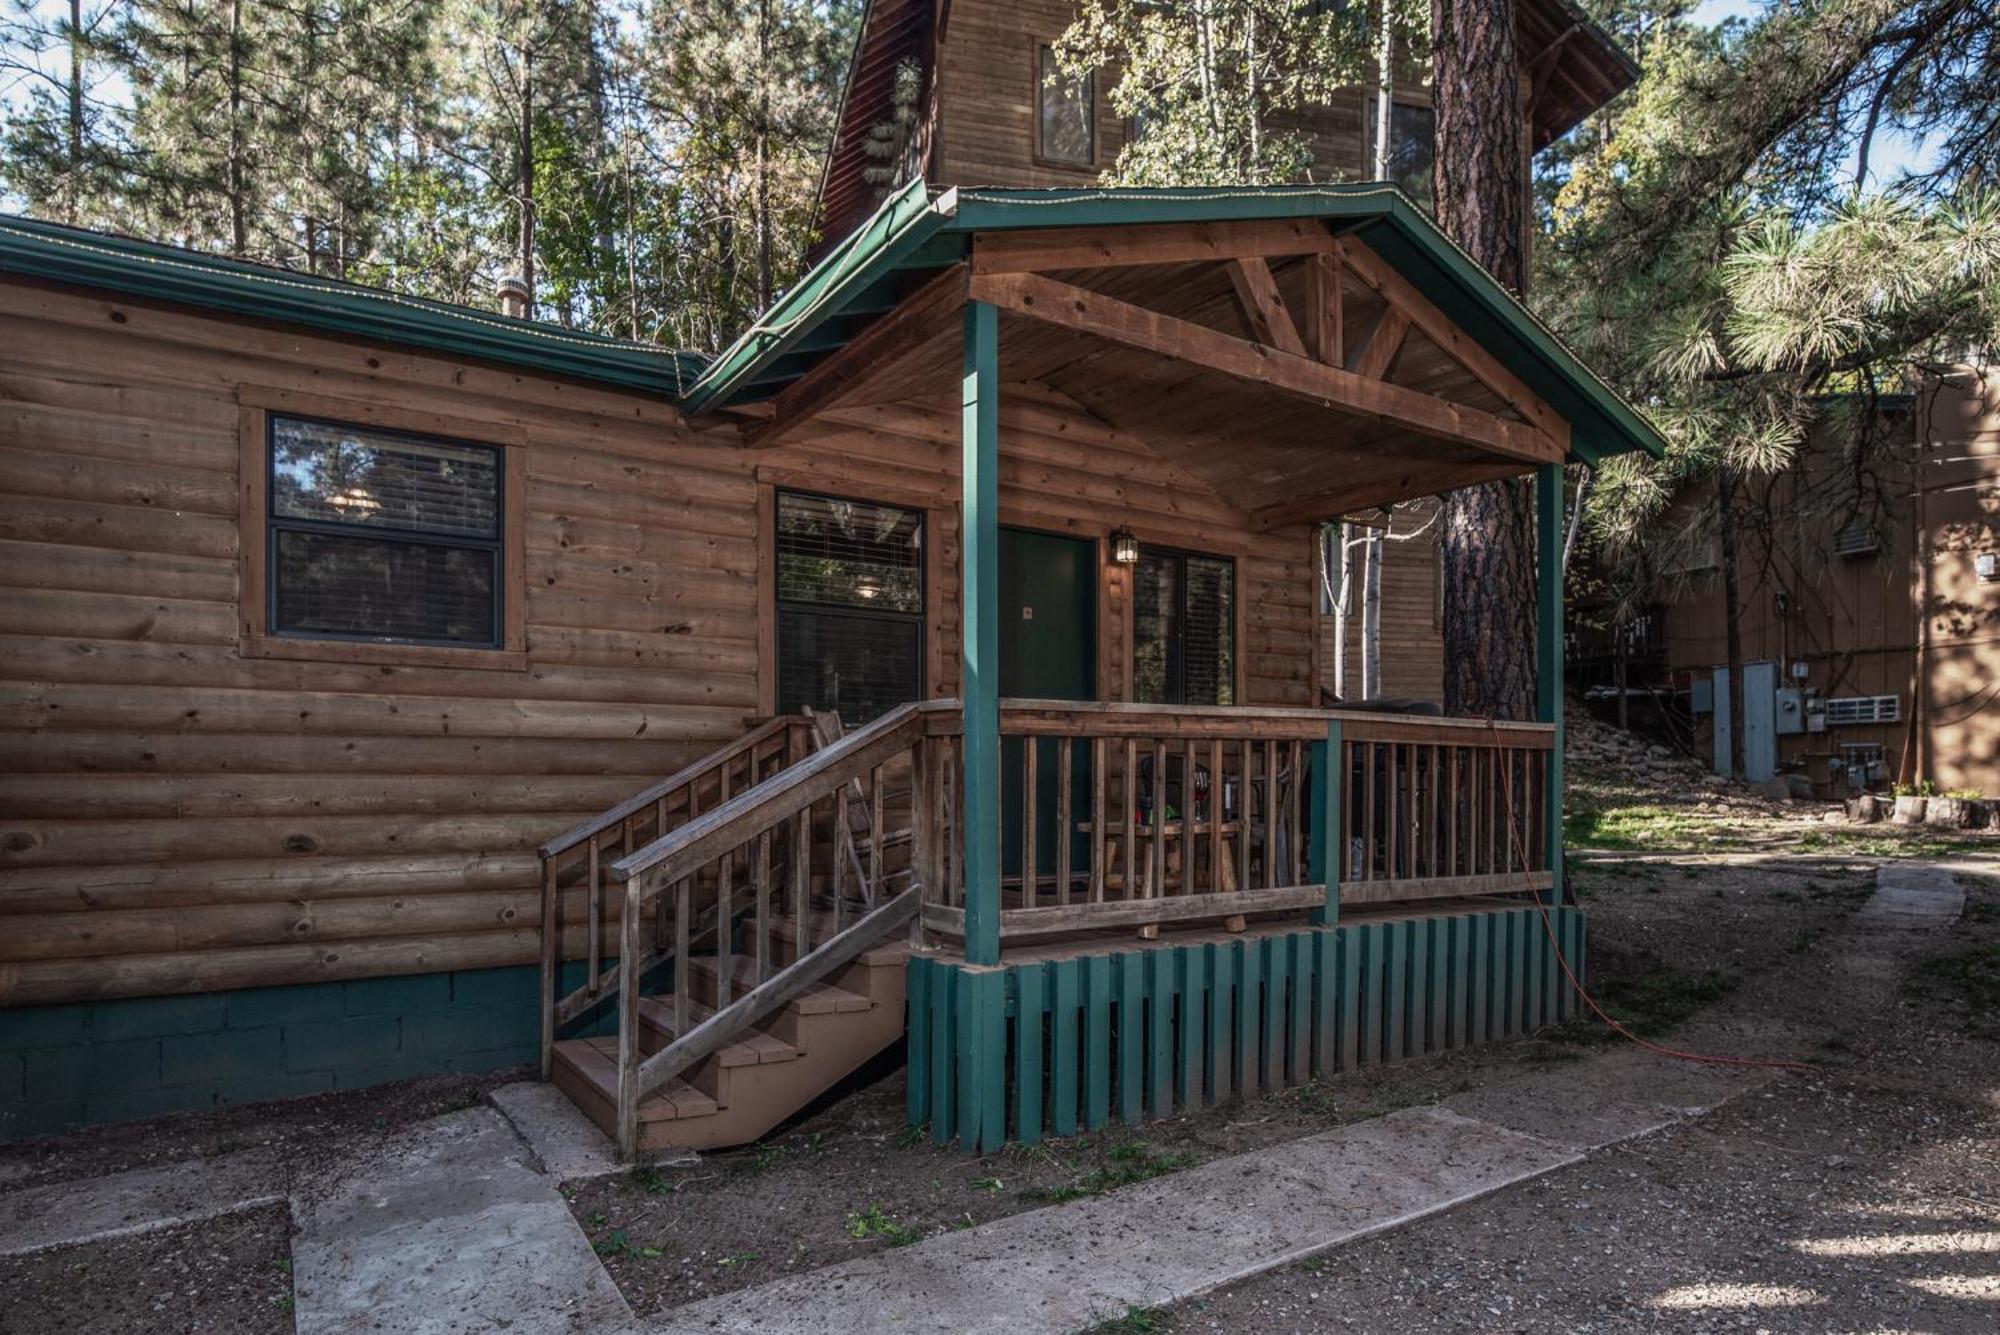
456	1224
451	1227
1068	1267
1913	895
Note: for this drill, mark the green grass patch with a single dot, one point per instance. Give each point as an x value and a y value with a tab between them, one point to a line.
1872	841
616	1243
1136	1321
1644	827
1134	1161
875	1222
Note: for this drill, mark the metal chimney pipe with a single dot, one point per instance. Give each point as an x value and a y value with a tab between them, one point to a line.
514	295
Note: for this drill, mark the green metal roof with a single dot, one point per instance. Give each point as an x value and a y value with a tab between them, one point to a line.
146	269
918	231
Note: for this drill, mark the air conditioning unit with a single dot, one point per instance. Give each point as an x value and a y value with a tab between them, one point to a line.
1856	539
1860	709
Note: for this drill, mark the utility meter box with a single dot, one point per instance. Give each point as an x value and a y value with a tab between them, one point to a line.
1791	712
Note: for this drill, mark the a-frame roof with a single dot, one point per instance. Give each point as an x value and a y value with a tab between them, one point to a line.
918	235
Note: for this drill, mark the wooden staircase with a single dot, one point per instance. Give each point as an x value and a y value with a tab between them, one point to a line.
766	889
758	1079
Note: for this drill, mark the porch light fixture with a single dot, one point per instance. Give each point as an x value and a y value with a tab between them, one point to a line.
1125	547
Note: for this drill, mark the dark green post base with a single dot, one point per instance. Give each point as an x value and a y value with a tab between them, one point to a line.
1024	1051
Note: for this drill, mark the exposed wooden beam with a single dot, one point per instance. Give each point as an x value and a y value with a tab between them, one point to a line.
1371	269
1377	489
931	310
1326	310
1374	358
1037	251
1087	312
1263	305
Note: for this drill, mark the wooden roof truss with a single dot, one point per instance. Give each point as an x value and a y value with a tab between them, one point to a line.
1295	368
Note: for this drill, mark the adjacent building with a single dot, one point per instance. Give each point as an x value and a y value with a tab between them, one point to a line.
1869	604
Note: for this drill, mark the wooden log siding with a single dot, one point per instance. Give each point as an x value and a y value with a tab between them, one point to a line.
176	816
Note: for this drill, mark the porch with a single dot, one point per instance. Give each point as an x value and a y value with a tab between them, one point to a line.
1246	898
1215	868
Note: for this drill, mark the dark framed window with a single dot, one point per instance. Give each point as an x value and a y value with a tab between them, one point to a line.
379	536
1412	147
1065	113
1183	628
850	594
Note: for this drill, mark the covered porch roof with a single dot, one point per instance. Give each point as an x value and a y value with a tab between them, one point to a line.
1306	350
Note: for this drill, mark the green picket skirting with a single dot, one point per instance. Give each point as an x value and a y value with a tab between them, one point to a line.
1018	1052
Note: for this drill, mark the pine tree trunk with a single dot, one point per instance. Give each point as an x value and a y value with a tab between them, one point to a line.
766	283
239	229
73	178
1621	650
1488	531
1732	611
525	147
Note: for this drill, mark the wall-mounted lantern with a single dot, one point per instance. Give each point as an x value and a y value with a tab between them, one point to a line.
1125	547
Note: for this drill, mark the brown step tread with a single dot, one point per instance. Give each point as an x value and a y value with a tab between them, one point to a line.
817	999
893	951
596	1061
752	1049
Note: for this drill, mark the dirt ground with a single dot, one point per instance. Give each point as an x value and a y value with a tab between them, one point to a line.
312	1132
1869	1187
230	1276
1864	1196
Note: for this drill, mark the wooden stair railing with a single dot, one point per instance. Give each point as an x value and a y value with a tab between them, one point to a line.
768	834
581	854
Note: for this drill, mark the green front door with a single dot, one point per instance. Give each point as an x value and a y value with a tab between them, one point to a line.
1048	651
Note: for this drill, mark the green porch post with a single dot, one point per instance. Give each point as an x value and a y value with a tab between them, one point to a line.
1549	657
979	620
1328	856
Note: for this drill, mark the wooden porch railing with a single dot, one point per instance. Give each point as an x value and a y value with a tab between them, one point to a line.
1438	807
814	856
574	863
1140	815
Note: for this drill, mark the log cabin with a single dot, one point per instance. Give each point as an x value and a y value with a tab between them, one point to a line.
397	688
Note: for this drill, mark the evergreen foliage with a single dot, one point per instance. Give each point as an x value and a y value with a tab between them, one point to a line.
1218	87
649	165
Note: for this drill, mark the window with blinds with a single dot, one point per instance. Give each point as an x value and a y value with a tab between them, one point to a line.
850	586
1183	629
381	536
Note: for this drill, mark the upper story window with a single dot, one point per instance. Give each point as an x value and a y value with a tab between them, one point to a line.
1066	113
1412	148
850	611
384	537
1183	629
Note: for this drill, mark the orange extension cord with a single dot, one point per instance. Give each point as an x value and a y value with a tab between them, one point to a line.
1576	984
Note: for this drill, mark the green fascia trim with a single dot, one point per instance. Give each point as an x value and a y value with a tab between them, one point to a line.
915	229
144	269
872	251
